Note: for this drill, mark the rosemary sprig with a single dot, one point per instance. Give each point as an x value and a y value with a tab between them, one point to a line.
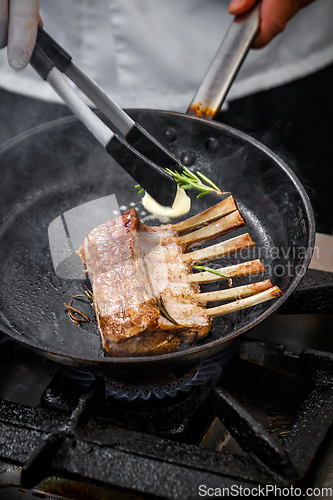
88	293
164	312
74	315
210	270
188	180
214	271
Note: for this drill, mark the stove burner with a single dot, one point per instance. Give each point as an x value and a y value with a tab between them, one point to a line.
158	388
200	374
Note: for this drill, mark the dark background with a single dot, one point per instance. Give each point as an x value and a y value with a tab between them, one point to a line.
296	122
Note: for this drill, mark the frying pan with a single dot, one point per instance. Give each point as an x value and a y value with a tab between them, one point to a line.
55	167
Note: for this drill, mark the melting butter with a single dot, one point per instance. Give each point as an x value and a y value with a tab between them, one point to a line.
181	205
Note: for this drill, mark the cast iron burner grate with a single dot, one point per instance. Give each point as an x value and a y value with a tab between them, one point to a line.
276	442
162	405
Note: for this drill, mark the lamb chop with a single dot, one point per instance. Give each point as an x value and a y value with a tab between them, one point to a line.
146	297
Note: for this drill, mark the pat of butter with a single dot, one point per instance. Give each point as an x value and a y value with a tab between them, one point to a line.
181	205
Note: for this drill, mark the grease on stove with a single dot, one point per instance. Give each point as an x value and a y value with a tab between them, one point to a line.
281	421
272	398
75	490
54	488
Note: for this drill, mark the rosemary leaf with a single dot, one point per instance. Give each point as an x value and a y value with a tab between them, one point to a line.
214	271
202	194
211	183
164	312
189	180
210	270
190	174
88	292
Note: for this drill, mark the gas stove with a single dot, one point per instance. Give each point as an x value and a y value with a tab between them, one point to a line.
261	418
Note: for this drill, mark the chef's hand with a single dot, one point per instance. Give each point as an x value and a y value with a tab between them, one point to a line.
18	29
274	16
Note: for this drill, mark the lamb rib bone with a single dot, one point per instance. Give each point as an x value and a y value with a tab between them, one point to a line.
214	229
237	305
220	249
238	292
219	210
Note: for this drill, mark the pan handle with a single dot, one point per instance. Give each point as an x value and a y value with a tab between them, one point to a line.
209	98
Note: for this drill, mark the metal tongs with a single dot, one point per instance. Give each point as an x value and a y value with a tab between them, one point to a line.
139	153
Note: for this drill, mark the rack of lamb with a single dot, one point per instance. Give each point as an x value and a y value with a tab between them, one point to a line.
146	297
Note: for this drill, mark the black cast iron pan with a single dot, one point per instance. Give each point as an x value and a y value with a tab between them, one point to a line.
59	166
